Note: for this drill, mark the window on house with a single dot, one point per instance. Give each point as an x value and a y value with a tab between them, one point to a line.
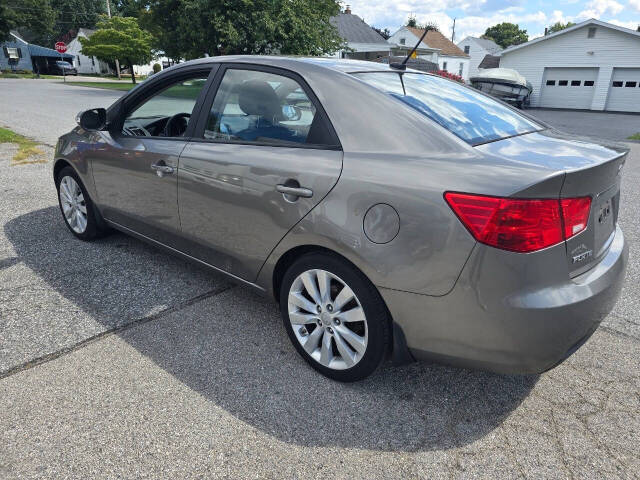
551	83
617	84
575	83
563	83
631	84
444	66
461	69
588	83
403	41
12	53
466	49
592	32
93	61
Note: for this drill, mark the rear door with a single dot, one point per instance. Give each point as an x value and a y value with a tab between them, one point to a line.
264	154
568	87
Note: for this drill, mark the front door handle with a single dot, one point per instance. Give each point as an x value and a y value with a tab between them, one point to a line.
162	170
295	191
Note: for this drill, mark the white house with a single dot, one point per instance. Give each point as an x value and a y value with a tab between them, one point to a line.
83	63
435	47
478	49
593	65
363	42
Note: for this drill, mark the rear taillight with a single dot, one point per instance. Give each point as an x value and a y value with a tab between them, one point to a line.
520	225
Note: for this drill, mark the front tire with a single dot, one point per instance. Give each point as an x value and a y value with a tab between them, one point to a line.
334	317
76	206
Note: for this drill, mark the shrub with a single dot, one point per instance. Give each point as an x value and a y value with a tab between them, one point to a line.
450	76
156	67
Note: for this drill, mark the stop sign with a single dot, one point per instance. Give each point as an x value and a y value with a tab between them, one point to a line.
61	47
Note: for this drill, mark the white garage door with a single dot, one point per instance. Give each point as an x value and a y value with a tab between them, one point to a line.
624	91
568	87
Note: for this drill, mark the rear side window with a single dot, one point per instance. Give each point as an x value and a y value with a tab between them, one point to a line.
265	108
472	116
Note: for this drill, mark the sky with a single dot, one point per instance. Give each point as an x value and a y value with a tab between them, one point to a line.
474	16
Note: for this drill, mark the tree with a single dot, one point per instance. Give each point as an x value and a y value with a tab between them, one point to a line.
119	38
191	28
384	33
556	27
74	14
412	22
32	17
506	34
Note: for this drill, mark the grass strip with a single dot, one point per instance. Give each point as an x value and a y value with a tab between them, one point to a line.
27	148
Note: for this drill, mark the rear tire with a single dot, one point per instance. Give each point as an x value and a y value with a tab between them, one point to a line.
78	211
342	326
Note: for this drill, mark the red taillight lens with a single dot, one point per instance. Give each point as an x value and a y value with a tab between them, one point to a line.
519	225
575	214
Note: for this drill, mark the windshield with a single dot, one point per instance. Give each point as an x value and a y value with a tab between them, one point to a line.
470	115
64	64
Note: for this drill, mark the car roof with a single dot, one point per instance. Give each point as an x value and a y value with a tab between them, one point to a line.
337	64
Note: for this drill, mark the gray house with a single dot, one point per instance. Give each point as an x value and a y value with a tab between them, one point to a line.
19	55
363	42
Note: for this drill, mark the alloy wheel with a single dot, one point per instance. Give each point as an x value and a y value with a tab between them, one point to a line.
327	319
73	204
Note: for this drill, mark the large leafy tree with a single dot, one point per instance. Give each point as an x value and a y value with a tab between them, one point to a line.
556	27
506	34
74	14
119	38
31	17
192	28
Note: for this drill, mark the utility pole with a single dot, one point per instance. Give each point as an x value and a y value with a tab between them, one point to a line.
453	31
117	62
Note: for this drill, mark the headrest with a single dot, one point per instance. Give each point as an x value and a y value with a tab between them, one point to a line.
256	97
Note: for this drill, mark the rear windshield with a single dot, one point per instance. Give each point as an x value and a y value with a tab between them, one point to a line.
470	115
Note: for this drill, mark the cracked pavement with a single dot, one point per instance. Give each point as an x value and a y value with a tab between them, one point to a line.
117	360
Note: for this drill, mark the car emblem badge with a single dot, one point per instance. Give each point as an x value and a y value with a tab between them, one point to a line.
581	253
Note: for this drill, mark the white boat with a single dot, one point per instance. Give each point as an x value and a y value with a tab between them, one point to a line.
503	83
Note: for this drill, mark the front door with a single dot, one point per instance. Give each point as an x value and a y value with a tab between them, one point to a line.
136	172
264	156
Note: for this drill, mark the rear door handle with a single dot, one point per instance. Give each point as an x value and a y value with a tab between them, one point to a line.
295	191
162	170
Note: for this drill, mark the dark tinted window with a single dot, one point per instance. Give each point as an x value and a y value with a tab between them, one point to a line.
472	116
575	83
253	106
588	83
563	83
617	84
551	82
630	84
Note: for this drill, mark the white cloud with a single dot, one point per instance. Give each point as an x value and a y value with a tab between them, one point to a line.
629	25
635	4
597	8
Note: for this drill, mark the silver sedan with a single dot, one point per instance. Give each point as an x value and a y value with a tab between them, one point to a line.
389	212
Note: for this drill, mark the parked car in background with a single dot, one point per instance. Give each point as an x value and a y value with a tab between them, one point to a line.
62	68
384	209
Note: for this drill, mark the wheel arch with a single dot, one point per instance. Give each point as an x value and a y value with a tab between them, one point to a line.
58	165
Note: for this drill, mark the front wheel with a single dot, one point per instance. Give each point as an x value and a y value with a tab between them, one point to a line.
335	317
76	206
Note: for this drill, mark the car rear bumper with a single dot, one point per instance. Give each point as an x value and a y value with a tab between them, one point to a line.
483	324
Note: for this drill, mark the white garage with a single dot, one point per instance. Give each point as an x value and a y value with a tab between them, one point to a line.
624	92
568	87
593	65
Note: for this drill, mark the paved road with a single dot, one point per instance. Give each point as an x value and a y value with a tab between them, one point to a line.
611	126
118	360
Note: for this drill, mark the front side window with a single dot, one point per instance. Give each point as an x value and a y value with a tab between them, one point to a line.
251	106
472	116
166	113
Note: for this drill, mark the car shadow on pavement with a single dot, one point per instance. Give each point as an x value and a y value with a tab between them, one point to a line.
232	349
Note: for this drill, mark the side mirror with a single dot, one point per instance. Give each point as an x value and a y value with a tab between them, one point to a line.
291	113
94	119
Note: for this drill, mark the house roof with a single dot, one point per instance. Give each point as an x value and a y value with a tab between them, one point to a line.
354	30
490	61
415	63
435	39
38	51
488	44
591	21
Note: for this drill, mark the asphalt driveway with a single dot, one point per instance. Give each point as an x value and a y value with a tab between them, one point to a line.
117	360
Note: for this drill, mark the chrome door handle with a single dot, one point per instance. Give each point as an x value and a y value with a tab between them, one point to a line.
295	191
162	170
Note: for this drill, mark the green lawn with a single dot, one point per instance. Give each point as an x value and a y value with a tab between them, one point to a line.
109	85
26	147
25	75
635	136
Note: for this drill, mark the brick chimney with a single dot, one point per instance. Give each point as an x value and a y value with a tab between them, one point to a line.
348	10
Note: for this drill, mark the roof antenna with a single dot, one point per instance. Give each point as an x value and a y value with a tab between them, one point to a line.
403	65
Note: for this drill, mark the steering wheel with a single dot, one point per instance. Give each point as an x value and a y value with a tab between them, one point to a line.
176	125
